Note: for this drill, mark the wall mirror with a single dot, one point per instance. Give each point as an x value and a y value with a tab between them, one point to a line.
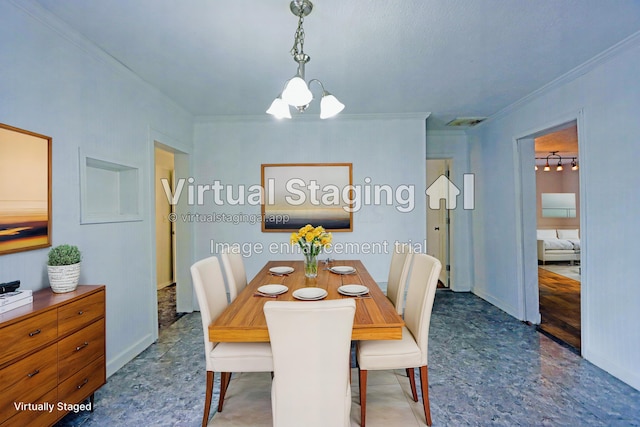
25	190
558	205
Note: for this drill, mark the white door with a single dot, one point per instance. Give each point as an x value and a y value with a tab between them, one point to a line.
438	220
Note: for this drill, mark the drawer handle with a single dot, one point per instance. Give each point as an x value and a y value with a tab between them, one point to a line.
34	373
80	313
80	347
34	333
79	386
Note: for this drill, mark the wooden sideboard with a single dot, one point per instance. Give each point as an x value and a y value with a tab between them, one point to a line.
52	356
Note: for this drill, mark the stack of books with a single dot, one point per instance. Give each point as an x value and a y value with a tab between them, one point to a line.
15	299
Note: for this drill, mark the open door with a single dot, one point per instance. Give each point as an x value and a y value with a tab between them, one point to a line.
438	219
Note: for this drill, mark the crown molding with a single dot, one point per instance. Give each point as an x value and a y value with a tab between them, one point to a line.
629	43
64	30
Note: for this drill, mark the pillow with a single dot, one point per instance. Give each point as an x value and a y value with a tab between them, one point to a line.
568	234
546	234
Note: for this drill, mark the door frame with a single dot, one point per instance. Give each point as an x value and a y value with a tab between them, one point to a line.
185	297
447	262
525	209
171	225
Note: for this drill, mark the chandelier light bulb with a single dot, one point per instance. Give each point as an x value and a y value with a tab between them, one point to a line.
279	109
296	93
330	106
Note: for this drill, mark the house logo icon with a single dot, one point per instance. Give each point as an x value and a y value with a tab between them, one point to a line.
443	188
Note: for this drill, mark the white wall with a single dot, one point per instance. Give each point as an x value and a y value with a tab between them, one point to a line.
54	83
388	150
604	96
454	145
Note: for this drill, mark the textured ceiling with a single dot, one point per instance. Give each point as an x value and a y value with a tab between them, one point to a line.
452	58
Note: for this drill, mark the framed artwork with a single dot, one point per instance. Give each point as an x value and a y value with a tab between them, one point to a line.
297	194
25	190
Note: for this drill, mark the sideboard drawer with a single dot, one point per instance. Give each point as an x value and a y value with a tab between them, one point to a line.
80	348
81	384
80	313
23	337
36	417
28	379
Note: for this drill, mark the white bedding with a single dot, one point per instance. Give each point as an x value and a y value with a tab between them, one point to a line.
559	244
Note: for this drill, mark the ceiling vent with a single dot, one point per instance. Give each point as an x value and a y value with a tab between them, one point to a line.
466	121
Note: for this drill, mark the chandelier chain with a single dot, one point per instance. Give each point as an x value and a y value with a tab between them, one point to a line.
298	42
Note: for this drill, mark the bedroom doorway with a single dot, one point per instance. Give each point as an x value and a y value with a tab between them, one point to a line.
558	233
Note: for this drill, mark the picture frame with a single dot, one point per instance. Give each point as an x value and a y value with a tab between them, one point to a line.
25	190
296	194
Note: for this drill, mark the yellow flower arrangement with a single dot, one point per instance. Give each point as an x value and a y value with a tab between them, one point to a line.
312	240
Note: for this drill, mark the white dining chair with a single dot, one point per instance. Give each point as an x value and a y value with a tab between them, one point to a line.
311	344
234	271
223	357
411	351
398	273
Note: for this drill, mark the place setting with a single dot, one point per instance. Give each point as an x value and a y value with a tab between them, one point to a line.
271	290
342	269
354	290
310	294
281	270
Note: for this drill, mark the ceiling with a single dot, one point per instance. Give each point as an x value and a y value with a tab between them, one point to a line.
564	141
453	58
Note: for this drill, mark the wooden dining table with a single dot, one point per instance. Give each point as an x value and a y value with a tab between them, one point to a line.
243	320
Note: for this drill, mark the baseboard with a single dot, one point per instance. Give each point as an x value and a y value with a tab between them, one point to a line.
128	355
601	361
513	311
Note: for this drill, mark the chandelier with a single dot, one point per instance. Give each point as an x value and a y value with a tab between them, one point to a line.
296	91
554	154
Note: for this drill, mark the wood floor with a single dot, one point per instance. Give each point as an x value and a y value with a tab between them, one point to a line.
560	307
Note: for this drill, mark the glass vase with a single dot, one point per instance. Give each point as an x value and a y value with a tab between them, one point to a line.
311	266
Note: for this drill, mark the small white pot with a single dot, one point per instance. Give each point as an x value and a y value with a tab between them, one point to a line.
64	278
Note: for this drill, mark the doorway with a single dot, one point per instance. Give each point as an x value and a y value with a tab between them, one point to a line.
439	220
165	239
558	234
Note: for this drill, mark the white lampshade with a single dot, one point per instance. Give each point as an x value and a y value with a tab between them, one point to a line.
297	93
330	106
279	109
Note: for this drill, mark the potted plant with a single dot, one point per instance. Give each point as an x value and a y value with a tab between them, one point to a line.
63	267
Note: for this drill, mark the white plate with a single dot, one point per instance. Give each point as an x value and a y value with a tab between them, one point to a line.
309	294
342	269
281	270
353	290
273	289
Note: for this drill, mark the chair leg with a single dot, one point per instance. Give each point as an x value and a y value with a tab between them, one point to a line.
224	384
363	395
424	385
412	382
207	398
